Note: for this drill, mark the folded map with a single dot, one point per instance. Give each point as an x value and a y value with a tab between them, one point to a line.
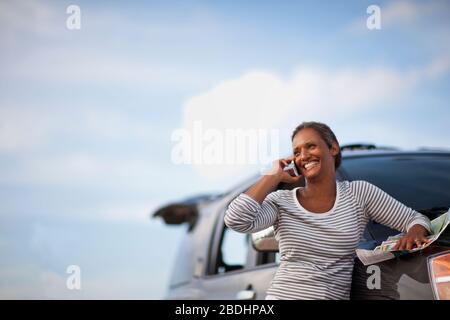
386	251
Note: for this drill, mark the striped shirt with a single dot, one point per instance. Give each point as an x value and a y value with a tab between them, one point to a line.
317	250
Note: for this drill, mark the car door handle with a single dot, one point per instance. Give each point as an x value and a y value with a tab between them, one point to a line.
246	295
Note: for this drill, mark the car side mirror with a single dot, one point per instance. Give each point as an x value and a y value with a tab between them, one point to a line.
178	214
264	240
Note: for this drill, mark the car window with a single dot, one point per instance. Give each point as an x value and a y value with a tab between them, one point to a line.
233	251
267	257
419	181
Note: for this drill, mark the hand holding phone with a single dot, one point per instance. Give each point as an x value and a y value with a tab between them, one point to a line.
292	169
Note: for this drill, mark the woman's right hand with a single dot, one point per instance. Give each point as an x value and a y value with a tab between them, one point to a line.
270	180
285	176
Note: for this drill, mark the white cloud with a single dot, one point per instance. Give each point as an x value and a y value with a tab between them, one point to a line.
25	17
21	130
25	128
121	211
438	67
37	46
391	132
72	65
405	13
33	138
260	99
401	12
32	282
29	282
409	12
83	169
115	260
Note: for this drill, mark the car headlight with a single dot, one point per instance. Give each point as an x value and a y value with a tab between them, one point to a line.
439	272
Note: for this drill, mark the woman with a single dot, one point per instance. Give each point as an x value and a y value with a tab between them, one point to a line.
319	226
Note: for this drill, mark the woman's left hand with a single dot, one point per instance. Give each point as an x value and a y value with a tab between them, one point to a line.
416	237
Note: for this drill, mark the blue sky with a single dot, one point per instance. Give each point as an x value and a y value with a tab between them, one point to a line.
86	116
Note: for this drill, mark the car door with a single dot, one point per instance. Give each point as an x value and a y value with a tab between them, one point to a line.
235	269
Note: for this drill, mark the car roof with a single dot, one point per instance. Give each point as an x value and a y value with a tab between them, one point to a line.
378	152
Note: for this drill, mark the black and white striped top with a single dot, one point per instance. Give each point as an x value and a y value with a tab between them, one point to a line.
317	250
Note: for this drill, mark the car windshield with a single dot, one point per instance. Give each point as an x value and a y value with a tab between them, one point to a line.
419	181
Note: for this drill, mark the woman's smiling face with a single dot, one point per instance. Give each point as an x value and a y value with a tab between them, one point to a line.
312	155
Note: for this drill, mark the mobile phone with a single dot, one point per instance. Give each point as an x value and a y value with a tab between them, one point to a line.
292	168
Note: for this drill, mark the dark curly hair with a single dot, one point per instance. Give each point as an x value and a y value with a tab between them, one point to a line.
325	133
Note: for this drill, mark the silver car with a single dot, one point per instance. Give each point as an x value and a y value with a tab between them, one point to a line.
214	262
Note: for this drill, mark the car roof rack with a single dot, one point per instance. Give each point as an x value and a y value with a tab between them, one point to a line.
365	146
433	149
